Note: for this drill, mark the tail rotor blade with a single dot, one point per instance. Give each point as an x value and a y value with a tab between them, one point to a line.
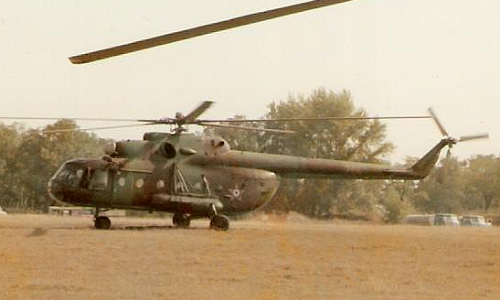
474	137
438	123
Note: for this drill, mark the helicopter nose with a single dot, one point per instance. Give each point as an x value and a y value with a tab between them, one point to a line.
54	192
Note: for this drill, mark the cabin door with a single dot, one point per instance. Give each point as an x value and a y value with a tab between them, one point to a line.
100	185
123	183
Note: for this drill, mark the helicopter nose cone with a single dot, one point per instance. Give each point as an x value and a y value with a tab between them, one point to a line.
54	192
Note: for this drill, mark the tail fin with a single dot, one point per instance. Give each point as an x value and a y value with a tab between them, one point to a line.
424	165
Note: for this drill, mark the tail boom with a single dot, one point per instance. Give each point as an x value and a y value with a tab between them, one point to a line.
300	167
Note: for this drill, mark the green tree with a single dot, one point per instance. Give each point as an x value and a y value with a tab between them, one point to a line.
361	141
444	187
10	139
396	207
483	182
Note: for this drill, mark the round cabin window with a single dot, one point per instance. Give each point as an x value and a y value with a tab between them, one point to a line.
139	183
160	184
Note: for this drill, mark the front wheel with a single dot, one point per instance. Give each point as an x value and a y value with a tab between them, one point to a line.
181	220
102	223
219	222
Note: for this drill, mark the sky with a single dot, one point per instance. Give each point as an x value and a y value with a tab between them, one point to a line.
396	57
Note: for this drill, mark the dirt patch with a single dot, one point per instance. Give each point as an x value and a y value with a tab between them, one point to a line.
64	258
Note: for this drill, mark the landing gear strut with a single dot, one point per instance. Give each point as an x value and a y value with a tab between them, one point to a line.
181	220
101	222
218	222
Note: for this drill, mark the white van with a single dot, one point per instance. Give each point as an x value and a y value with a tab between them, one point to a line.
474	221
446	220
423	220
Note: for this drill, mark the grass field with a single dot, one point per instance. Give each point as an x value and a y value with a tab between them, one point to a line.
44	257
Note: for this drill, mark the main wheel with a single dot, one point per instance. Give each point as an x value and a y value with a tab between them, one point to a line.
102	223
219	222
181	220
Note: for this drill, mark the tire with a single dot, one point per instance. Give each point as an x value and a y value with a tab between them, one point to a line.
219	222
181	220
102	223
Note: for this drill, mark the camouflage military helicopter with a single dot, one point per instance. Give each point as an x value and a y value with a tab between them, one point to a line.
194	177
201	177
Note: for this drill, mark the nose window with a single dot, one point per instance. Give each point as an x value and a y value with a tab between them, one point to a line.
62	175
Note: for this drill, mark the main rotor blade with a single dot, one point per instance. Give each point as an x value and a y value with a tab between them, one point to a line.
77	119
246	128
474	137
314	119
438	123
96	128
191	119
201	30
196	112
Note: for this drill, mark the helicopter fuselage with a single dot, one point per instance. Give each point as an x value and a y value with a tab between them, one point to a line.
162	176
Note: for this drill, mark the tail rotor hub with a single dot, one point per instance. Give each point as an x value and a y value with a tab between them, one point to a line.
450	141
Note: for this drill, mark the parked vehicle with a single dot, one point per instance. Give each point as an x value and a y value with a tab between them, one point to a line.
423	220
474	221
2	213
446	220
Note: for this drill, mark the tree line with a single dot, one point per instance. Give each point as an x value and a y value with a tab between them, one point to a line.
28	158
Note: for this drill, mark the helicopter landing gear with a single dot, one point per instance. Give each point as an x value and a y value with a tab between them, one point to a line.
218	222
181	220
101	222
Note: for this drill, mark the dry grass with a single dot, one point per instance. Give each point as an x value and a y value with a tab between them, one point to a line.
45	257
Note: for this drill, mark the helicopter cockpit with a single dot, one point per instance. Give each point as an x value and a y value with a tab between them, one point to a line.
75	177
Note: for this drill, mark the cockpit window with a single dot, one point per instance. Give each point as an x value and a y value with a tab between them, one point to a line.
62	175
74	177
99	180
